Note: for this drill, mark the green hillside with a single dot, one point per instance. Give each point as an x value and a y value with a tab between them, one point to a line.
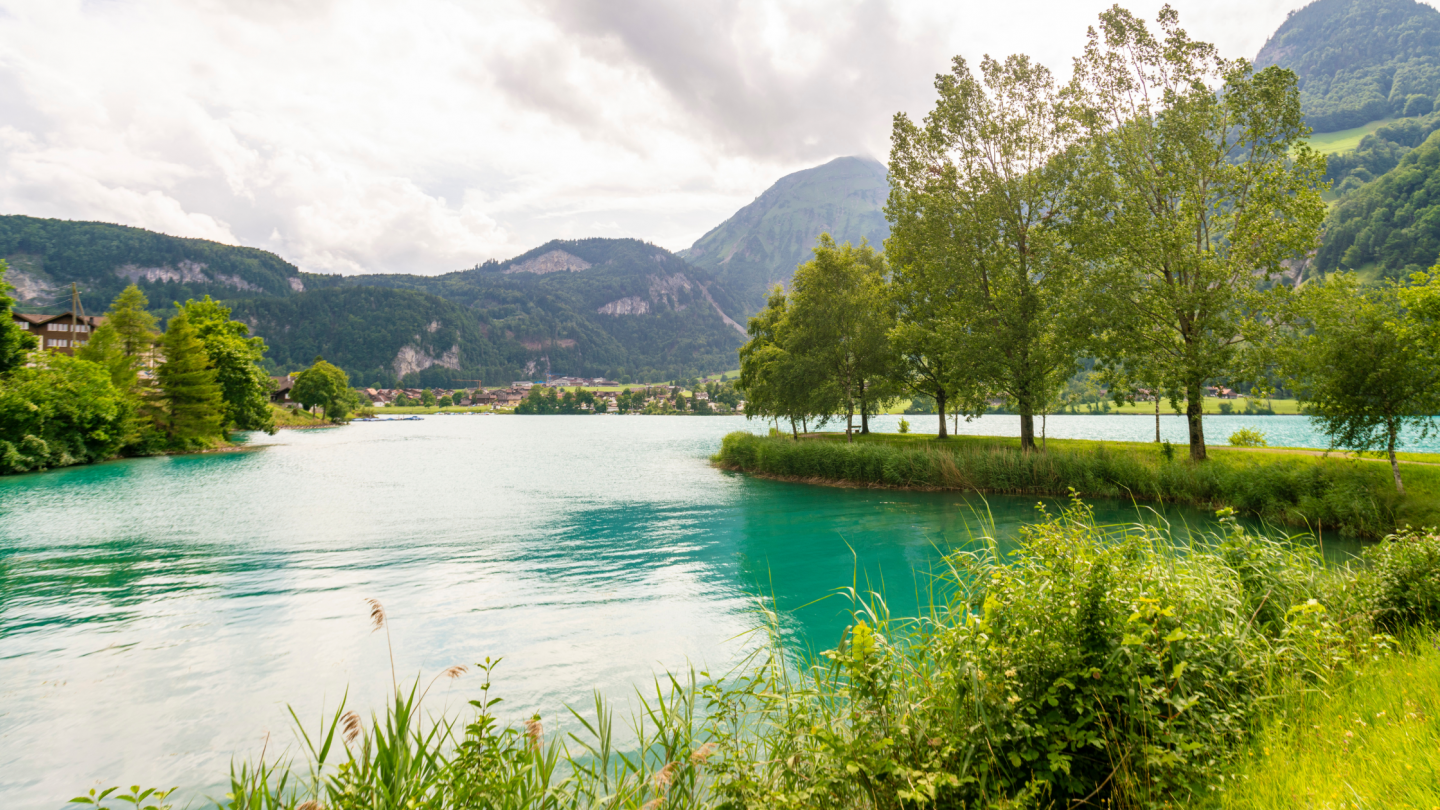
1391	224
590	307
381	336
47	255
1360	61
620	307
763	242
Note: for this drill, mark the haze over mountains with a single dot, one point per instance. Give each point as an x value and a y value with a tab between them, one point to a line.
624	308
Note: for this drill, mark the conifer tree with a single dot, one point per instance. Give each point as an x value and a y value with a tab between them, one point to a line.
192	408
133	324
235	357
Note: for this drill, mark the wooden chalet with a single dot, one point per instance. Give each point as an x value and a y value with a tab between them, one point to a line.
61	333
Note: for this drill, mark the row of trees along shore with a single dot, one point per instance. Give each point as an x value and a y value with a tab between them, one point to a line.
1140	215
131	389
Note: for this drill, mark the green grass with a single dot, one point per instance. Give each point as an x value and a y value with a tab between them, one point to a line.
1372	740
1295	488
1331	143
295	417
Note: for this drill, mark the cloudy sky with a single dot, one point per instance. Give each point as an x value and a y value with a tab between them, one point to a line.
358	136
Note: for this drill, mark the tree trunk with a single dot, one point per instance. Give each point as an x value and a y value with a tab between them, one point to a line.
1027	429
1157	418
1394	429
864	411
849	422
793	434
1194	417
940	406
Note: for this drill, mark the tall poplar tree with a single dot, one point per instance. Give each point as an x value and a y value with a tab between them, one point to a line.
1203	186
191	406
980	206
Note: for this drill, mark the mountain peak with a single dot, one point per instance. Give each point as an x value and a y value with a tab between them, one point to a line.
762	243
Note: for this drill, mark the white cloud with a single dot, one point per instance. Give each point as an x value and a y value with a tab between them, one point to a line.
373	136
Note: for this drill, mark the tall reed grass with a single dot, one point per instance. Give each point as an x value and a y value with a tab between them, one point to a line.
1351	496
1094	666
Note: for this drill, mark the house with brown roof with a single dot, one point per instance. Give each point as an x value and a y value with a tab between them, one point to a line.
61	333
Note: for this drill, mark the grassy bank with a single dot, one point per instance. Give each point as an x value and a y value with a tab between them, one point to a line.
1103	666
297	418
1353	496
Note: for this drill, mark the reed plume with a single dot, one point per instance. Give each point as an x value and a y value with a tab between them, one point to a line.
351	723
534	732
378	620
377	614
703	753
665	776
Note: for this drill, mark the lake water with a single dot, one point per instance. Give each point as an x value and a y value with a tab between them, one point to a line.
158	615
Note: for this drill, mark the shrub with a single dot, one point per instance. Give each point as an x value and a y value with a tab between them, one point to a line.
1245	437
1401	586
904	426
60	411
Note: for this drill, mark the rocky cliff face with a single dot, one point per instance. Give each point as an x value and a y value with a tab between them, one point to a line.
413	359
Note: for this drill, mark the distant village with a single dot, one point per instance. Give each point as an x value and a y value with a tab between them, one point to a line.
716	398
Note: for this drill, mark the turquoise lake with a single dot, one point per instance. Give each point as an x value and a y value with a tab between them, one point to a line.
157	616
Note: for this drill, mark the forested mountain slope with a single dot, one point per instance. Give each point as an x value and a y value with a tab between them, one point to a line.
381	336
613	307
1360	60
1391	224
47	255
762	244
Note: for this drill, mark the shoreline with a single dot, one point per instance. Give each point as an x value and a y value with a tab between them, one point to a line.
1301	488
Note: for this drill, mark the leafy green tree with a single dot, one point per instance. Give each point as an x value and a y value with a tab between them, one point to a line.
427	398
778	383
235	358
192	405
60	411
1203	185
324	386
1361	377
981	199
839	321
445	401
133	324
14	343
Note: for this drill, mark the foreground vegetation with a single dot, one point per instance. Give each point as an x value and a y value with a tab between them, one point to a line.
1095	665
1353	496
